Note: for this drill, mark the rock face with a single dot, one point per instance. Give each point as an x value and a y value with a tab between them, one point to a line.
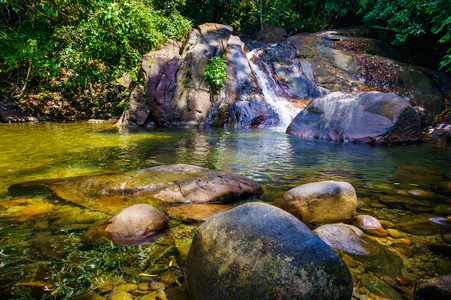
321	202
161	185
172	80
270	81
135	222
365	117
257	251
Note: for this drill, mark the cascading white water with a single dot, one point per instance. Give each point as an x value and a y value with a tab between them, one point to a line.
282	106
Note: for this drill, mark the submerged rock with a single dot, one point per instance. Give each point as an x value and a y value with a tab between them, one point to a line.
438	288
365	117
417	225
401	202
257	251
162	185
352	241
321	202
379	287
135	222
196	212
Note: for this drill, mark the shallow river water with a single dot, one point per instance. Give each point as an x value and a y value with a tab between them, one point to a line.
47	247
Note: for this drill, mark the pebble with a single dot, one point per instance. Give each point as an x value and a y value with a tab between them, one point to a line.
143	286
404	281
423	258
121	296
404	251
402	242
126	287
395	233
157	286
386	224
377	205
370	225
350	261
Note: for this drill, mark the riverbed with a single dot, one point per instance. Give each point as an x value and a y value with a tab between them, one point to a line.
49	247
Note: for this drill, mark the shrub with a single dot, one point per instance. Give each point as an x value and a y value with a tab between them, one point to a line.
215	73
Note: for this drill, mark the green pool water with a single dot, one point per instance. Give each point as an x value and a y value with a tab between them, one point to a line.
50	248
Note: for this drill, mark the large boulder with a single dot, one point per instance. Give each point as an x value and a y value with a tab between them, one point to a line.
172	89
162	185
321	202
258	251
370	117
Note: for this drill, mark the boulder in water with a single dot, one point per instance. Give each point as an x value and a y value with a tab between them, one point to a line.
258	251
352	241
371	117
162	185
321	202
135	222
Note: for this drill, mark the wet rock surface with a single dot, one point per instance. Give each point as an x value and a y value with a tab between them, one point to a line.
365	117
162	185
135	222
352	241
172	90
370	225
196	212
321	202
238	254
435	288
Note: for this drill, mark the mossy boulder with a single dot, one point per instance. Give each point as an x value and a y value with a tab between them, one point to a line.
258	251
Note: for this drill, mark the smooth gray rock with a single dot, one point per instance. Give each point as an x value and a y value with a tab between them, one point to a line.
258	251
370	117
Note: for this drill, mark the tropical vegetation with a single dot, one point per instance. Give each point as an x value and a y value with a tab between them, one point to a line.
56	45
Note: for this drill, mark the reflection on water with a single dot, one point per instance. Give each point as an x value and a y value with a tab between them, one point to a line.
52	150
277	161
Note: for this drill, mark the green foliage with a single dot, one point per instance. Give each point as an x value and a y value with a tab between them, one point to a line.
215	72
412	18
84	42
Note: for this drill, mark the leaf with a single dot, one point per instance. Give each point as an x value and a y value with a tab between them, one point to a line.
46	287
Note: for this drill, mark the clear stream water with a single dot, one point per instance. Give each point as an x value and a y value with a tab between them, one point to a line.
277	161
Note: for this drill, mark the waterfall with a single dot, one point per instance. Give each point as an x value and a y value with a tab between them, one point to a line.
285	109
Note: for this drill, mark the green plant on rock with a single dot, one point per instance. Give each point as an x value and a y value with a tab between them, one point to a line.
215	73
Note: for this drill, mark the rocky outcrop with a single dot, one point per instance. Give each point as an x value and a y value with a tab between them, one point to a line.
268	84
373	117
172	80
321	202
162	185
258	251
